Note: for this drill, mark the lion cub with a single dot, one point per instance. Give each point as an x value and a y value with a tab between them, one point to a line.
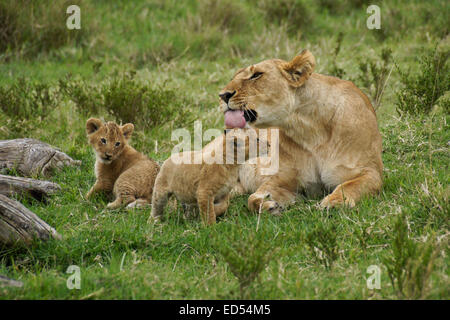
208	183
119	167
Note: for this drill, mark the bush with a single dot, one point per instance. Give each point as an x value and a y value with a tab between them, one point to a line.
29	27
322	242
423	89
295	14
227	16
247	253
409	265
26	99
335	70
374	74
128	99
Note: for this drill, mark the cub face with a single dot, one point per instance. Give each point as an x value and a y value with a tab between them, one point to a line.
266	91
108	139
241	145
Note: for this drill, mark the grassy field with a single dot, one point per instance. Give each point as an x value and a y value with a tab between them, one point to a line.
160	64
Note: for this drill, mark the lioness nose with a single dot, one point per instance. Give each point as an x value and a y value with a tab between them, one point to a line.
108	155
227	96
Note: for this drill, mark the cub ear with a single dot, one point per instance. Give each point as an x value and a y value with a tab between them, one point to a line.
93	125
299	69
127	130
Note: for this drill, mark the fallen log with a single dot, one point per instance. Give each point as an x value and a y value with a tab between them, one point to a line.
32	157
17	223
7	282
36	188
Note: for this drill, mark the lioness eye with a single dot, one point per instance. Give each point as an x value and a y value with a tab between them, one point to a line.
256	75
117	144
103	140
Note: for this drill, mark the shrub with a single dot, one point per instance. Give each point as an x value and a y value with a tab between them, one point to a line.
128	99
294	13
374	74
28	27
335	70
227	16
86	96
247	253
422	90
338	6
25	99
322	242
409	266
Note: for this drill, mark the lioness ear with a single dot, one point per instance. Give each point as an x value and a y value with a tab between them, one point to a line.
299	69
93	125
127	130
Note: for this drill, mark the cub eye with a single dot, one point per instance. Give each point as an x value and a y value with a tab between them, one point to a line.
103	140
117	144
256	75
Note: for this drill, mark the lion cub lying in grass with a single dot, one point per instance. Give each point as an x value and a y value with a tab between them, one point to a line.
119	167
207	184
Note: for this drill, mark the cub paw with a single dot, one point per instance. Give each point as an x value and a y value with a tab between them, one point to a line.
113	205
138	204
153	220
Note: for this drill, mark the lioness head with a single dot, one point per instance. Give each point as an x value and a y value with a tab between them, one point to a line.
261	94
108	139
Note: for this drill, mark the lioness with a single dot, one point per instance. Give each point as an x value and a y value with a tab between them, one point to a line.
329	137
207	183
119	167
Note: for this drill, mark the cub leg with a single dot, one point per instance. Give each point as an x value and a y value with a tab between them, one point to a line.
205	201
159	200
222	206
351	191
139	203
124	191
237	190
99	186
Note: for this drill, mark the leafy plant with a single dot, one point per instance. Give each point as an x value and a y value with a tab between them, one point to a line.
335	70
410	264
29	27
295	14
128	99
322	242
374	75
26	99
247	253
422	89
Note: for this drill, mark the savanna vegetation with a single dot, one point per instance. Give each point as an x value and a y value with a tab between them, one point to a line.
160	64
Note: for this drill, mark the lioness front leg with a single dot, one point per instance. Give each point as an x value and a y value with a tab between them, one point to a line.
273	195
351	191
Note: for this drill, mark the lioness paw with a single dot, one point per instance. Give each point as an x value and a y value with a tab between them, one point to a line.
272	207
332	201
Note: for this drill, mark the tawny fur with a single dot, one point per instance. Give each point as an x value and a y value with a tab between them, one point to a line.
329	137
206	184
119	168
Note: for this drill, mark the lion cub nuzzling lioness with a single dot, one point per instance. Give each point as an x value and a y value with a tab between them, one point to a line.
207	183
119	167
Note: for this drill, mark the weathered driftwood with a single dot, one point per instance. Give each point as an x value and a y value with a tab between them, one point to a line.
17	223
17	185
7	282
30	157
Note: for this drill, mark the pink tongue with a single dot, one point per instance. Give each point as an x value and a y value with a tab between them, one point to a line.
234	119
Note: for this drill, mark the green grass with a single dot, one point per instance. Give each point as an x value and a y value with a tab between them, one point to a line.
181	54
